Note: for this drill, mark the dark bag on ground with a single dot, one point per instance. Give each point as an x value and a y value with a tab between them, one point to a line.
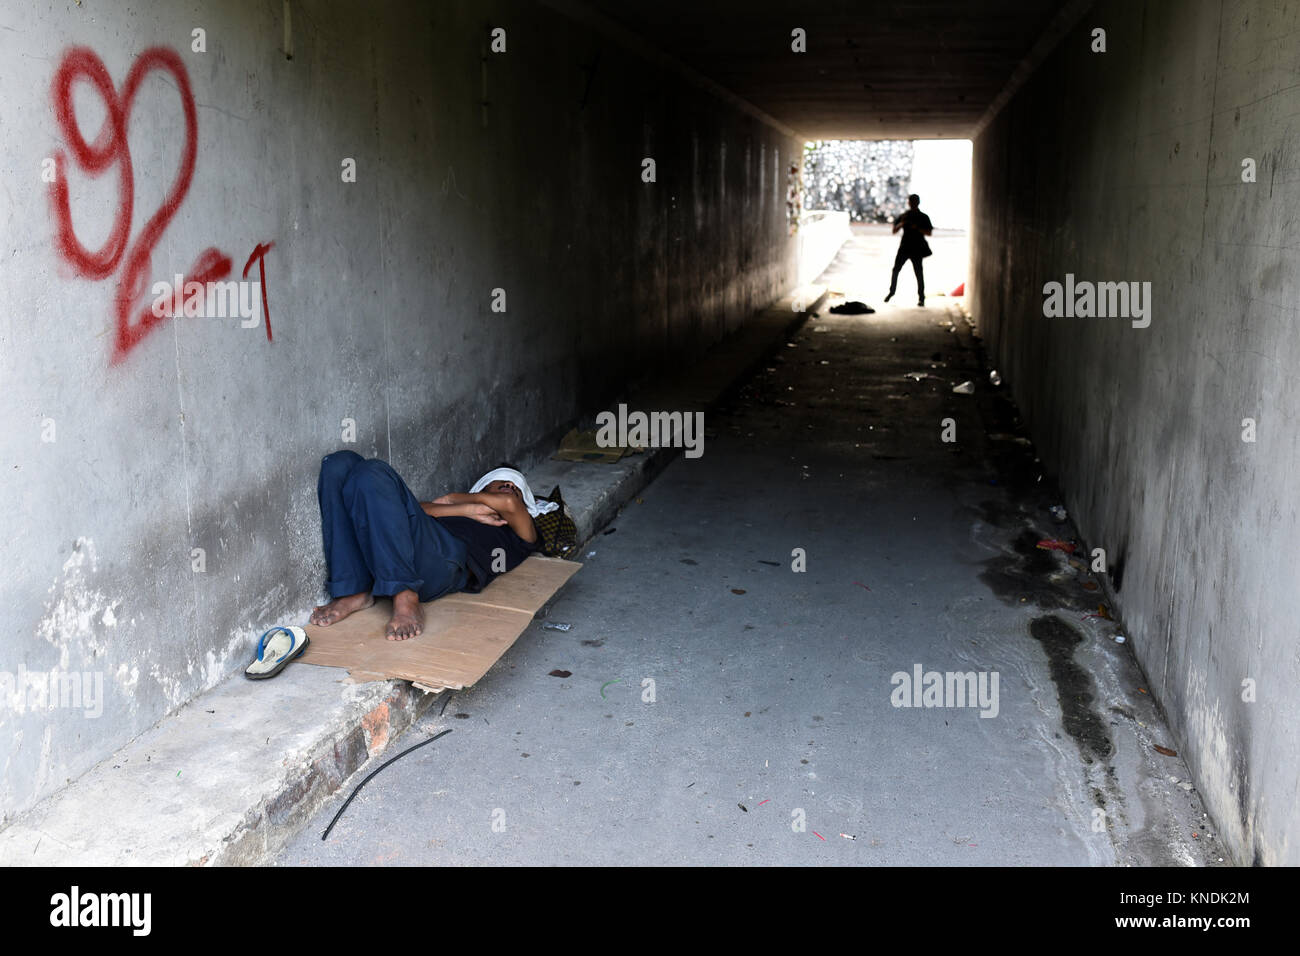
852	308
557	534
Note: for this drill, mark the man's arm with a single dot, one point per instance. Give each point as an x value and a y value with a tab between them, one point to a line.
509	508
466	509
514	511
455	498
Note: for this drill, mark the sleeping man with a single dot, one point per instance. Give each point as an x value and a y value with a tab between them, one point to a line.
381	540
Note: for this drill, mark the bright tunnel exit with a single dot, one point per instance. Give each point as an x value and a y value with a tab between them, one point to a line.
857	189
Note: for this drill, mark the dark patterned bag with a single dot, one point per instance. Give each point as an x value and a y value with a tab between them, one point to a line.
557	533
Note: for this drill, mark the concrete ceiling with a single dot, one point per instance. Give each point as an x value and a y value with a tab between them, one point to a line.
873	70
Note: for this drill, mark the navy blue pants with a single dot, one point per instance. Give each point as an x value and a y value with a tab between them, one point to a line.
378	538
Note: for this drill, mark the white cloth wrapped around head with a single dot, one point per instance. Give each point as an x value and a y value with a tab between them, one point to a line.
534	506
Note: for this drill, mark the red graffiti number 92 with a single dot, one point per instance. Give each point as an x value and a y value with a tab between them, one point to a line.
110	147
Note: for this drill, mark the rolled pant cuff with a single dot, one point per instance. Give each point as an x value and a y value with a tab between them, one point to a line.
389	588
347	587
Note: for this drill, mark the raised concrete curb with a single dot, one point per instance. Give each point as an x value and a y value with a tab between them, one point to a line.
232	776
222	780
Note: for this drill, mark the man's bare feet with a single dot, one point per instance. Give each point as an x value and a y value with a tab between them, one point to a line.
339	608
408	617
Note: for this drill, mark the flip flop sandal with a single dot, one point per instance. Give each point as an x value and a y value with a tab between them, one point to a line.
274	652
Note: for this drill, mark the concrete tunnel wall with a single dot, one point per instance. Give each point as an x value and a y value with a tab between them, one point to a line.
204	434
1128	165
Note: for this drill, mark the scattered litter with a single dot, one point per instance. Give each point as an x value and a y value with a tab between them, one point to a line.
852	308
848	837
1058	512
861	585
610	531
995	378
791	345
766	801
821	328
965	388
1166	751
559	673
737	590
1119	638
919	376
1102	613
1186	785
743	807
591	554
1054	544
818	836
689	785
1090	585
555	626
606	684
775	564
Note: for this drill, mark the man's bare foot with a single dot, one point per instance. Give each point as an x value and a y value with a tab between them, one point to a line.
339	608
408	617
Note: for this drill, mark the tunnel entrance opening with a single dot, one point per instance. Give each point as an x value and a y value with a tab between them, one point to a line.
854	190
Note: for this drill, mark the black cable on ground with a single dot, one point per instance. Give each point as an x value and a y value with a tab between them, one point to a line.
375	771
445	703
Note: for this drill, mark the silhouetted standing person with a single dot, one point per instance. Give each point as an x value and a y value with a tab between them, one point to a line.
916	226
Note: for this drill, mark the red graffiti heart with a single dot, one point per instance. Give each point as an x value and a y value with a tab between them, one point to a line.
110	145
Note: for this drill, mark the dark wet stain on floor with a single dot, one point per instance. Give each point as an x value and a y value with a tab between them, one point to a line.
1074	688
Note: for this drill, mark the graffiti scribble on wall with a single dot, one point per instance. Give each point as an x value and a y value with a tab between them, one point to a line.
110	148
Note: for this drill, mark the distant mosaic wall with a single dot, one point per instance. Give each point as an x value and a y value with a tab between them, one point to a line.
867	179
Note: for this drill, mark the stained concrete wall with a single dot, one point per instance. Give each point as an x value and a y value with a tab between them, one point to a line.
475	171
1127	165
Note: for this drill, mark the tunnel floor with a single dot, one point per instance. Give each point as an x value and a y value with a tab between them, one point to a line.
723	708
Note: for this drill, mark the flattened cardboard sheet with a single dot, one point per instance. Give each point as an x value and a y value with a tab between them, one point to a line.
582	446
464	634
